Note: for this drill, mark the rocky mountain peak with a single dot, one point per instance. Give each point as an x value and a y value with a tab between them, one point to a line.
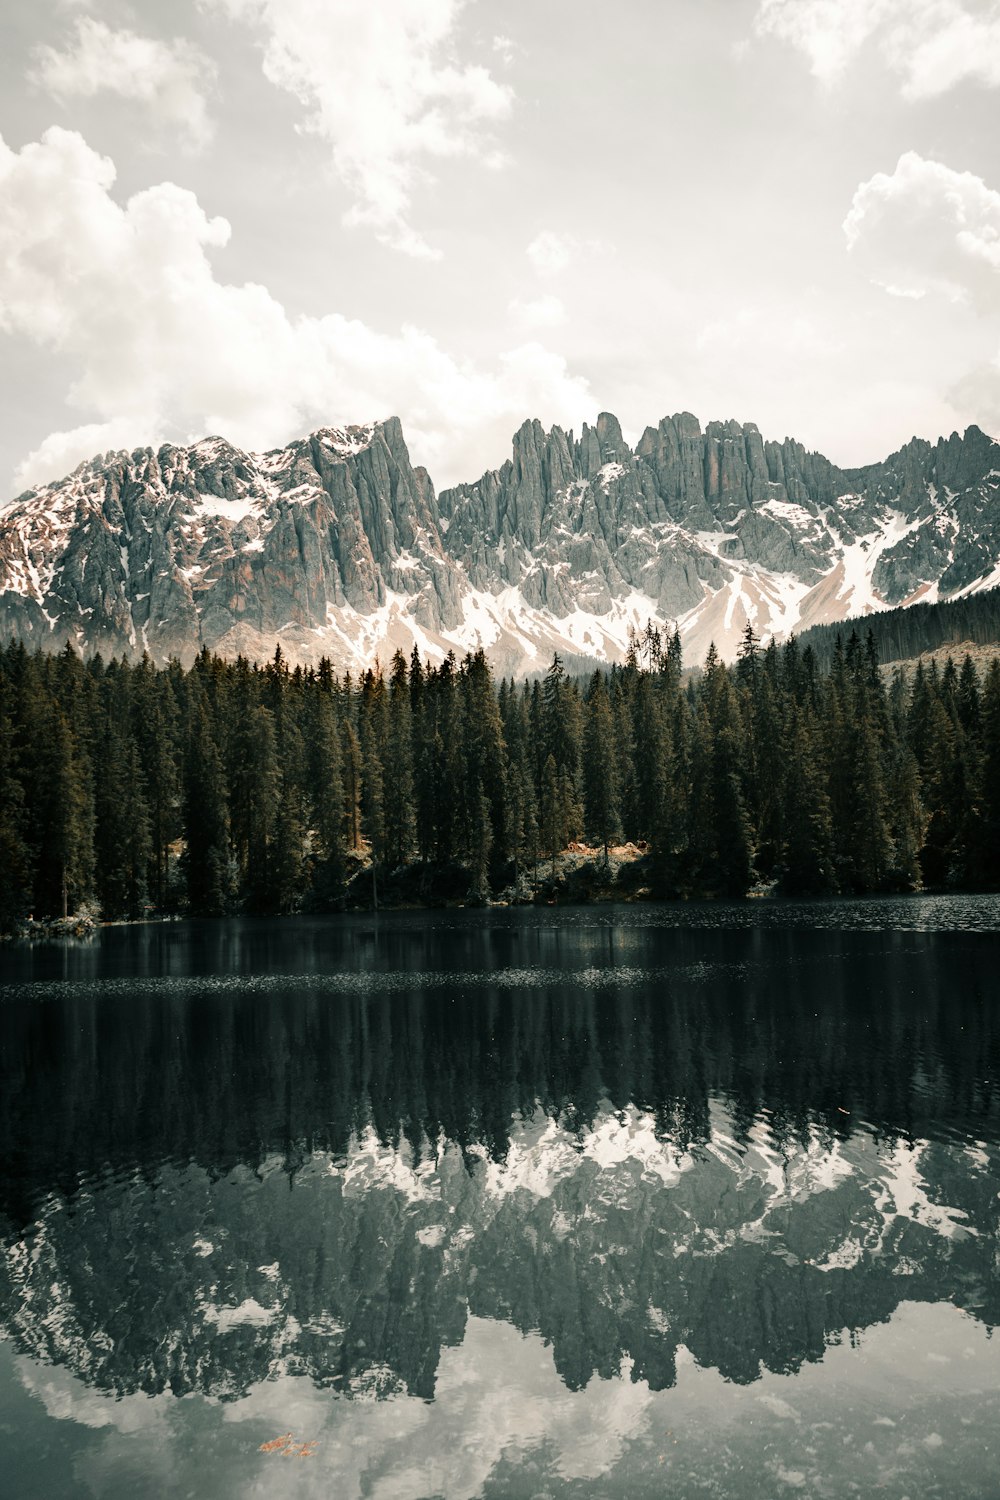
337	545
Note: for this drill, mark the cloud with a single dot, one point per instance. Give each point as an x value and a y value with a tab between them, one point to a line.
829	32
540	312
498	1399
928	229
160	349
171	79
550	253
752	330
380	83
932	45
978	394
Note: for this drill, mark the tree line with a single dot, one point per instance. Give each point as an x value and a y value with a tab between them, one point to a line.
228	786
903	633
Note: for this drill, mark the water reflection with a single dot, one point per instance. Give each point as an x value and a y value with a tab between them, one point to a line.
607	1151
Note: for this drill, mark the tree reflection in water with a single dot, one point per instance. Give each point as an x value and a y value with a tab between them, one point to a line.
740	1144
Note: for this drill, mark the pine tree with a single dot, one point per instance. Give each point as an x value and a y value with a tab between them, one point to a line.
15	872
61	815
154	727
326	785
373	773
206	819
522	833
480	842
989	864
450	782
286	873
562	738
553	819
485	756
807	850
600	761
400	822
121	824
353	775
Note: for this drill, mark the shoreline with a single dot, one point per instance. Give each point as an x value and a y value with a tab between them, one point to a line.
85	927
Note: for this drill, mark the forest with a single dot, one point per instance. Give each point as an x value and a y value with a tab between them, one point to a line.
225	787
903	633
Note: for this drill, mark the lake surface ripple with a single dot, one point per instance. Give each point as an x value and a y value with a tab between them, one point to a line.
596	1202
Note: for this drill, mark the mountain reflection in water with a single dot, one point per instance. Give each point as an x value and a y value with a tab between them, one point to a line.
241	1153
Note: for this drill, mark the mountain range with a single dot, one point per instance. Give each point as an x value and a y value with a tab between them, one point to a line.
338	546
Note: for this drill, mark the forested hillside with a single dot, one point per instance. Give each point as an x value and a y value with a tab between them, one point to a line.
904	633
233	787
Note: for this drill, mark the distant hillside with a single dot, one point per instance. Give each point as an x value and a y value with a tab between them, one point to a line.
912	629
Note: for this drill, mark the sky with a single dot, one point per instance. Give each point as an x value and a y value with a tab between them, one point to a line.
259	217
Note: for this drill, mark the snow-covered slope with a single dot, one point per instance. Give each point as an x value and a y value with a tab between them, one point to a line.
338	546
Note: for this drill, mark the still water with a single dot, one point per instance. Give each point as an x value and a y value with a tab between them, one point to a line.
594	1203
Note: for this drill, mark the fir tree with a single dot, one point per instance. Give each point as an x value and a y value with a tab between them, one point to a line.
15	871
206	820
400	822
600	760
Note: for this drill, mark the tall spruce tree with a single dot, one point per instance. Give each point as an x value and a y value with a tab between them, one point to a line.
400	819
600	763
206	818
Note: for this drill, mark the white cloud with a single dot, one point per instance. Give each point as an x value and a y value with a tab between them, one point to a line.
977	395
160	349
539	312
926	228
931	44
752	330
379	82
505	48
829	32
551	253
170	78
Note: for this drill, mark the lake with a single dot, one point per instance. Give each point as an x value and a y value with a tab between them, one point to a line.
593	1202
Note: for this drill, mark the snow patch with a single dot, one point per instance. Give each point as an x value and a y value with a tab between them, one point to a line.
249	1313
228	510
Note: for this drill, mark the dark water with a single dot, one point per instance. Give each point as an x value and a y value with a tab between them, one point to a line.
625	1202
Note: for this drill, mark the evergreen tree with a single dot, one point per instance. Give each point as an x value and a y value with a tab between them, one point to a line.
485	755
807	852
15	871
122	843
400	821
61	821
327	799
481	842
371	715
353	775
154	726
554	814
988	870
600	760
206	819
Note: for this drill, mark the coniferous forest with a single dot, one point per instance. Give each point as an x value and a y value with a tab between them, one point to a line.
906	631
231	787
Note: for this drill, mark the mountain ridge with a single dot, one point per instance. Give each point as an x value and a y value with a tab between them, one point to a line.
337	545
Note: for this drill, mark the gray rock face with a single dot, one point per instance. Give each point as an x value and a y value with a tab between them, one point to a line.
173	550
337	545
